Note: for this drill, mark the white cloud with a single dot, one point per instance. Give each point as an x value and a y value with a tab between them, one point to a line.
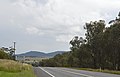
64	38
59	20
63	17
32	30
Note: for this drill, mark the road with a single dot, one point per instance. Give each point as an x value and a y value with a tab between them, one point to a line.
67	72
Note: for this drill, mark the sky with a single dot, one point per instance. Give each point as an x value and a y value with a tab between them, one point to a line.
49	25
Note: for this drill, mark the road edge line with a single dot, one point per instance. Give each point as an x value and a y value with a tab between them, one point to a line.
46	72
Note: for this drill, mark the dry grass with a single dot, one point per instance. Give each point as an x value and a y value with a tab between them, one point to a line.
13	66
10	68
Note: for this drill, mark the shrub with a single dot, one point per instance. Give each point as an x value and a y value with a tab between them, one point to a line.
4	55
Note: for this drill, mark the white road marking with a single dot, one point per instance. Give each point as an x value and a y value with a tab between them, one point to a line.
77	73
47	72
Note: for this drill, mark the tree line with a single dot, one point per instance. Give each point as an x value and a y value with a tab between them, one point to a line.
100	49
7	53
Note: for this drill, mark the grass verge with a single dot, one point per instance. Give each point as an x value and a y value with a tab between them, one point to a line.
10	68
98	70
17	74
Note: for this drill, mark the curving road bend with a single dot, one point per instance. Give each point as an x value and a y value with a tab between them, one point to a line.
67	72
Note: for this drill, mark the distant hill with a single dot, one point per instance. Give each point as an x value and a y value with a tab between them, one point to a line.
40	54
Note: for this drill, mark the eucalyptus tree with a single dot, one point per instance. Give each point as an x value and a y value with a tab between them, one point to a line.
93	29
114	39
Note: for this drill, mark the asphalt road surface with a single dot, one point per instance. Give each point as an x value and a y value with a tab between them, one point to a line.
67	72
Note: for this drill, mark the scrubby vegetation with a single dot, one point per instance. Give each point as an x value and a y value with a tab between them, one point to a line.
7	53
10	68
4	55
13	66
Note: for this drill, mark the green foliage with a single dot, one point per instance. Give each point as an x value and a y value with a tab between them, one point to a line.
10	51
99	50
4	55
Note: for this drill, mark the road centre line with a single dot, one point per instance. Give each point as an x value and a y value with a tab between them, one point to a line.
46	72
77	73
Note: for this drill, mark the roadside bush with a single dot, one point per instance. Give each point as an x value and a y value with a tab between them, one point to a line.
4	55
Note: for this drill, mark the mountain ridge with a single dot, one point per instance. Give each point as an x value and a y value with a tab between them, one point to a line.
41	54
